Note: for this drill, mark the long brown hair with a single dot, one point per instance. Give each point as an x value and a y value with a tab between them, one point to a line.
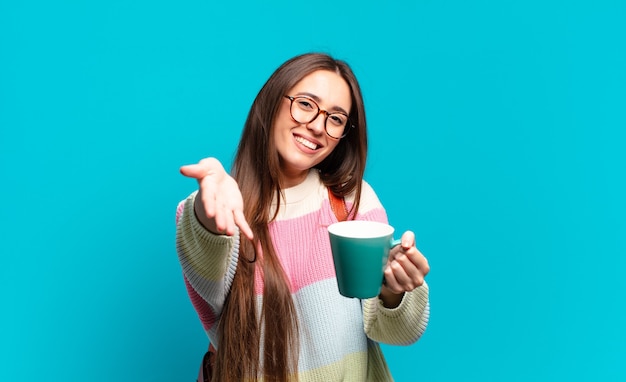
256	169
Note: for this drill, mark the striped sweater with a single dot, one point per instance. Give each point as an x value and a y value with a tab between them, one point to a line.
339	336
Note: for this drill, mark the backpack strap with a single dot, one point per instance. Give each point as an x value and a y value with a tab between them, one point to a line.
208	364
338	205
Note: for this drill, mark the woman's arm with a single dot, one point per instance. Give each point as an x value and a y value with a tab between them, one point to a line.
208	260
399	315
402	325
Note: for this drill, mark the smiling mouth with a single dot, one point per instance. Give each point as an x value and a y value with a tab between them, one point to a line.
306	143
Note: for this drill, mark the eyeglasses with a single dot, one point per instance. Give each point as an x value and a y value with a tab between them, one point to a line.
305	110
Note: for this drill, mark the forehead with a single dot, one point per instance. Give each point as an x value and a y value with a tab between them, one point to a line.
331	89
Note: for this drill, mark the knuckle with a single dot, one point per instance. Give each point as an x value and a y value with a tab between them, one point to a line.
388	273
419	281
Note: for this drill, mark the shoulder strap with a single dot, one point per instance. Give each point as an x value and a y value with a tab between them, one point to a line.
338	206
208	364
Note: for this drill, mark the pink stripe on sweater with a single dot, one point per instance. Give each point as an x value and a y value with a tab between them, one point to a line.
205	313
304	248
179	210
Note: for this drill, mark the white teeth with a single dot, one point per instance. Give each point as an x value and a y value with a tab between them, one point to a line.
307	143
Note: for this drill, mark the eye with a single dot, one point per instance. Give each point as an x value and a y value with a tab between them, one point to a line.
338	119
304	104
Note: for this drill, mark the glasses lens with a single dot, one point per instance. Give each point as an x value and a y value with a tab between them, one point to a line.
336	125
304	110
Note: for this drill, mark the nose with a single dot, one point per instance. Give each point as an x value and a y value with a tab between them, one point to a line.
317	124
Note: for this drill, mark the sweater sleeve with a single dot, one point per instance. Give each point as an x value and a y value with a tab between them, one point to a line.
208	260
402	325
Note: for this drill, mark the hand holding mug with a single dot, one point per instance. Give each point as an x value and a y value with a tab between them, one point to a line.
219	204
406	266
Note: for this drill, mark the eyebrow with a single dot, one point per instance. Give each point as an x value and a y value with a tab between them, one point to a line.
318	100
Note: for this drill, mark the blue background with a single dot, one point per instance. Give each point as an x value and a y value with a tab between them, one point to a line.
497	135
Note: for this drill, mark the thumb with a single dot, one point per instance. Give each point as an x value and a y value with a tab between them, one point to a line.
196	171
408	240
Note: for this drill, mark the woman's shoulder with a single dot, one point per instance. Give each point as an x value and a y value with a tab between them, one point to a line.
367	191
369	199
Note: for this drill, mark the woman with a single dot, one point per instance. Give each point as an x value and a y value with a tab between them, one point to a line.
254	246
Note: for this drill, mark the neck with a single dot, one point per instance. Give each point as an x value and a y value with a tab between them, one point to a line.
293	179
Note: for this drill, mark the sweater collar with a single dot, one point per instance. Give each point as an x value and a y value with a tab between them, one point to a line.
298	193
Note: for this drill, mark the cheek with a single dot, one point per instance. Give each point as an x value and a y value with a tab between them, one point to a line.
332	145
280	128
282	125
283	117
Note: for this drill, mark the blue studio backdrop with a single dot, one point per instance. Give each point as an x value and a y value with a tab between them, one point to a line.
497	134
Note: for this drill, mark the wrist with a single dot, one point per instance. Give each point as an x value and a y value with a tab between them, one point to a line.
390	299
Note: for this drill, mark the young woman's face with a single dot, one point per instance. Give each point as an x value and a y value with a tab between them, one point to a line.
301	146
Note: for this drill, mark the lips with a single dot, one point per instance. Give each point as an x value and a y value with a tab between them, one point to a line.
307	143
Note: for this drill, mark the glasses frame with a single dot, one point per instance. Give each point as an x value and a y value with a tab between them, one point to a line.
349	125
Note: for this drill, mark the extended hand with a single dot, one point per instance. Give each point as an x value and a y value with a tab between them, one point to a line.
219	204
